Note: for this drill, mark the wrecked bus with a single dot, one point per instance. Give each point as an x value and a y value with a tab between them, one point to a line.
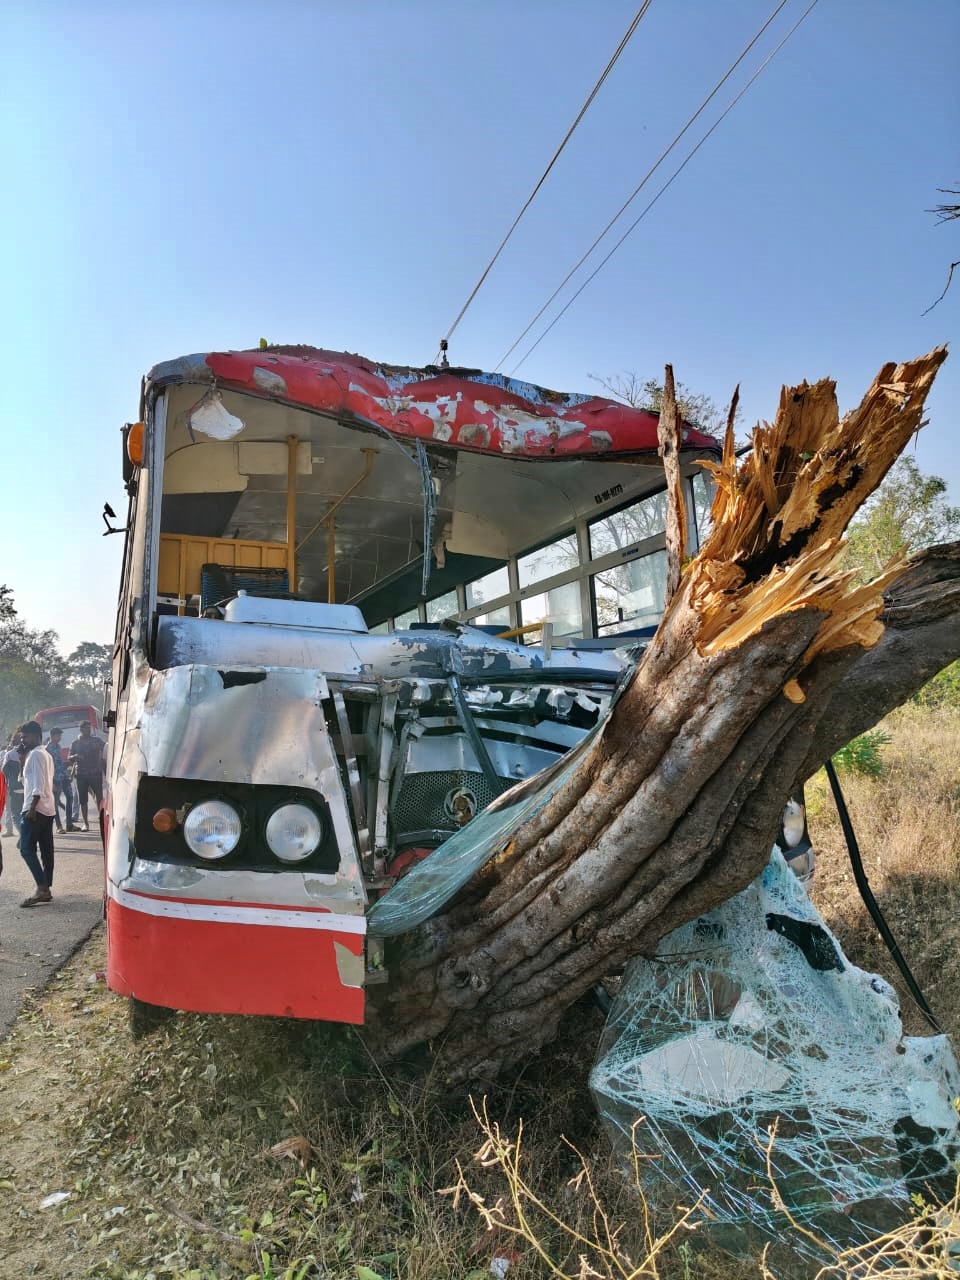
358	604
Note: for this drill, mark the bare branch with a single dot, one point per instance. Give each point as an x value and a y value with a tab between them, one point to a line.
953	267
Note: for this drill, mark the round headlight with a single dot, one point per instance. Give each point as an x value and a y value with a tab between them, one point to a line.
793	823
212	829
293	832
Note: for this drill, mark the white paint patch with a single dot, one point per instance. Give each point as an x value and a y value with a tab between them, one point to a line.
270	382
350	968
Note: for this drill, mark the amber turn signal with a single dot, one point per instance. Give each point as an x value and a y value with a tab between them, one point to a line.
165	820
135	444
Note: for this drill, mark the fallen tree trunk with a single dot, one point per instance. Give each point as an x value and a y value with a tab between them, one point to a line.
768	658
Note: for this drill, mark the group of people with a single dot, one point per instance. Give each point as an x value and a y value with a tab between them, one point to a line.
34	780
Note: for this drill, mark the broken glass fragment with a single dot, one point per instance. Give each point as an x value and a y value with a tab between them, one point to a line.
750	1021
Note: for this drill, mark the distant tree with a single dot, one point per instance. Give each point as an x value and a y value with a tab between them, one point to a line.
33	673
695	407
89	664
909	510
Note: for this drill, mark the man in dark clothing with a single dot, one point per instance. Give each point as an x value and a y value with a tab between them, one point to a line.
62	782
87	750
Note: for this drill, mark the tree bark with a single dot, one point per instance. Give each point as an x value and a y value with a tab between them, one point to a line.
768	658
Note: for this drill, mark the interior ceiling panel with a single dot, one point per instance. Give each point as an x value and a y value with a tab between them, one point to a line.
502	504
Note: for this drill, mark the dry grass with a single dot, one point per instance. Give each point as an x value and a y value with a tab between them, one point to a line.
241	1147
907	824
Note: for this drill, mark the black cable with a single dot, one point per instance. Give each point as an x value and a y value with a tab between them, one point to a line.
870	902
643	182
676	173
556	156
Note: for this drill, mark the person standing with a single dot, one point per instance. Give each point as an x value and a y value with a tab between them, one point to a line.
12	768
3	802
87	749
36	820
62	782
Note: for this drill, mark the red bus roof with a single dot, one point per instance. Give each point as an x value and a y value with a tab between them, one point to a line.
70	715
460	408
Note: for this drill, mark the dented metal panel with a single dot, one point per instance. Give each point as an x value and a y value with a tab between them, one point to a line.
486	412
189	723
425	654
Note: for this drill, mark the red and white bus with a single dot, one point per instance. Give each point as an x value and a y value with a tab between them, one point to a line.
359	603
69	719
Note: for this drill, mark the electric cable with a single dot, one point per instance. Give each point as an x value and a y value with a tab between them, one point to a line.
870	902
643	182
645	5
676	173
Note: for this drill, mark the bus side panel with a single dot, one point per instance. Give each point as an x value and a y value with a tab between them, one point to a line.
235	965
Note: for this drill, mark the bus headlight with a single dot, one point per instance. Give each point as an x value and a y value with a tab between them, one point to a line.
212	829
293	832
793	823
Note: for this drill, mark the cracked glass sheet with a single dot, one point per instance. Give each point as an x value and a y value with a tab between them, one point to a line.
752	1016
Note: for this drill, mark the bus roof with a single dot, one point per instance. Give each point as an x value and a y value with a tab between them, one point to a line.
460	408
72	715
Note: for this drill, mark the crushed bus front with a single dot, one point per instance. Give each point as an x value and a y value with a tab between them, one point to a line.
323	672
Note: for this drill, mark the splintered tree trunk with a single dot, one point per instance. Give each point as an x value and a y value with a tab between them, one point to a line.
768	658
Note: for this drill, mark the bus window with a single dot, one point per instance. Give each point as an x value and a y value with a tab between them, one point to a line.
489	587
630	596
560	606
641	520
406	620
444	606
703	491
557	557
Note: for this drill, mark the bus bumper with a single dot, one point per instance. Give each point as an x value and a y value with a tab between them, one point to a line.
227	957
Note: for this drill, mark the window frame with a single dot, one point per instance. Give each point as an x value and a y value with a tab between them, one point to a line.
584	571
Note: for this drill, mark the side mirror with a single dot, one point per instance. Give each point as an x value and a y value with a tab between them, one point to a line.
108	515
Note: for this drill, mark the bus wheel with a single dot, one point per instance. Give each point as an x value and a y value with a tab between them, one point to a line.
146	1018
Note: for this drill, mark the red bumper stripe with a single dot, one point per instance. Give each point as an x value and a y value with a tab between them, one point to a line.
226	967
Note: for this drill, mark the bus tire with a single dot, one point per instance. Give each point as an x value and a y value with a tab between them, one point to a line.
147	1018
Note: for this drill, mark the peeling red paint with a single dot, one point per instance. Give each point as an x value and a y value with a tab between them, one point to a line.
480	411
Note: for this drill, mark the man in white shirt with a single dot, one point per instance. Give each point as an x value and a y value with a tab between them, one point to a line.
39	809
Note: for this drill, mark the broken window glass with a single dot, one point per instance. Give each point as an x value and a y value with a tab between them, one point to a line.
751	1018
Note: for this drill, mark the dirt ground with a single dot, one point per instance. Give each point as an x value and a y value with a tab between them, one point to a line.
35	942
87	1116
50	1066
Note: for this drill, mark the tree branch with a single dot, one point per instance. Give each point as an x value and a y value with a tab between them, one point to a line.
921	637
953	267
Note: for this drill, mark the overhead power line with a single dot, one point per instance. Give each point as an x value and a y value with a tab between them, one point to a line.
556	155
646	178
663	188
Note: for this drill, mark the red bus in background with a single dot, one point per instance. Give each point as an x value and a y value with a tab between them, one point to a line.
69	720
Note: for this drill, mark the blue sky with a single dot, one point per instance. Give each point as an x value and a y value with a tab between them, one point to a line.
193	177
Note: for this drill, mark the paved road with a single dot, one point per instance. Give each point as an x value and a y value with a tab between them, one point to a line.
34	943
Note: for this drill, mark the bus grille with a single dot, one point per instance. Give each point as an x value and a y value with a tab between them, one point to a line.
420	805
